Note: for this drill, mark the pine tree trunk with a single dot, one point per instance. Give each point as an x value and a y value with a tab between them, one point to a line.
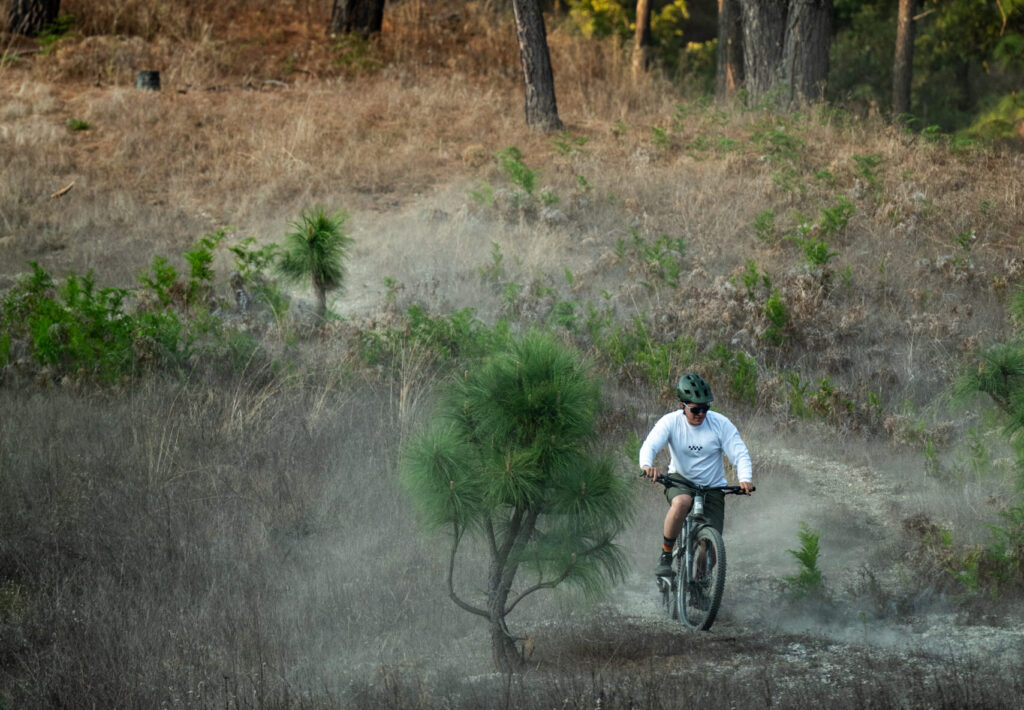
764	33
642	39
729	75
541	109
361	17
805	52
785	44
30	17
903	60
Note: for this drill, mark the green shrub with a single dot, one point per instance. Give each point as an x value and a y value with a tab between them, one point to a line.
452	339
778	319
808	581
633	347
834	219
77	328
510	161
740	371
661	260
764	227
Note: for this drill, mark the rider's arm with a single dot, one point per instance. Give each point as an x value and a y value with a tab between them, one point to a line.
736	450
654	443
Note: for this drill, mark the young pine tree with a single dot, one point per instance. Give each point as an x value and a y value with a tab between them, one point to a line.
316	248
510	463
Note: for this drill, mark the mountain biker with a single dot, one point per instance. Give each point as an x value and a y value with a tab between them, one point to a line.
696	439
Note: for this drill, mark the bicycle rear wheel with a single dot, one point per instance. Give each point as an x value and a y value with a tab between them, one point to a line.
699	599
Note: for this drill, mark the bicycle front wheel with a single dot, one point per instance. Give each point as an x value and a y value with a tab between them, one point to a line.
699	593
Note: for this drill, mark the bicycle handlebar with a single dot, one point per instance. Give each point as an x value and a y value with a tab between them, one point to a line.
666	481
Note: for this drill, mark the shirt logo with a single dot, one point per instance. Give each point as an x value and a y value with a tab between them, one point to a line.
694	447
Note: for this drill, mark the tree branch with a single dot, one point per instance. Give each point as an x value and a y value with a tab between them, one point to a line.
456	539
542	585
555	582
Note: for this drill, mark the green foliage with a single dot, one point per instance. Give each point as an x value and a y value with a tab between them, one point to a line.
777	144
816	251
806	235
808	582
778	318
740	372
632	346
252	264
752	279
995	566
966	53
617	18
316	248
1000	116
200	261
353	53
63	26
834	219
660	138
452	340
77	124
660	261
76	328
796	393
484	195
867	168
510	161
495	271
510	458
764	227
161	280
566	144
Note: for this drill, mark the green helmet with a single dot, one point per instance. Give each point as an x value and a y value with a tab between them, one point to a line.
693	389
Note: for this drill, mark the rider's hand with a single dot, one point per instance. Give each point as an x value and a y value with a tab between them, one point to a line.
651	472
746	487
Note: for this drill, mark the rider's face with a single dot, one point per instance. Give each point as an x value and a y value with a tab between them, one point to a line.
694	418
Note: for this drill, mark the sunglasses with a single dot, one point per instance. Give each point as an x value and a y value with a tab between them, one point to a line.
697	408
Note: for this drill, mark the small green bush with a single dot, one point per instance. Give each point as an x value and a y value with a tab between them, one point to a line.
808	581
740	371
510	161
778	319
78	328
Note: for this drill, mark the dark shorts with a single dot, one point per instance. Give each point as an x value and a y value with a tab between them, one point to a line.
714	501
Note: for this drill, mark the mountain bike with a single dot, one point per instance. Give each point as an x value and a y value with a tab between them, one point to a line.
694	591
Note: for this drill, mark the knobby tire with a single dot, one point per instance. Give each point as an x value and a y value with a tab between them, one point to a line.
690	604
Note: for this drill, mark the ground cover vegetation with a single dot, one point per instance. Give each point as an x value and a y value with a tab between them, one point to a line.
200	498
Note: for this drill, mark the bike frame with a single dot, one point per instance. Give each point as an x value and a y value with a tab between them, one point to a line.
685	547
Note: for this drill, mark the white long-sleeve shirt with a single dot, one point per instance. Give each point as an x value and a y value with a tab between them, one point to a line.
696	451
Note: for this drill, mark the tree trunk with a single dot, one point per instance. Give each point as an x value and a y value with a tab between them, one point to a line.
805	52
361	17
786	43
504	653
642	39
30	17
903	61
764	32
729	76
541	109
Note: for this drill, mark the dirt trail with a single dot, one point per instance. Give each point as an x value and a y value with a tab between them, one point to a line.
856	510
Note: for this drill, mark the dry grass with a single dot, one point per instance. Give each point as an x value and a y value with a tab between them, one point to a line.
241	541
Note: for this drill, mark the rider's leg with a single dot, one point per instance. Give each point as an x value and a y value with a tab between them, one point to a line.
678	508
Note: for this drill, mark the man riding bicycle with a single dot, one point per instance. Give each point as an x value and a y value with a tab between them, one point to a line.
696	438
